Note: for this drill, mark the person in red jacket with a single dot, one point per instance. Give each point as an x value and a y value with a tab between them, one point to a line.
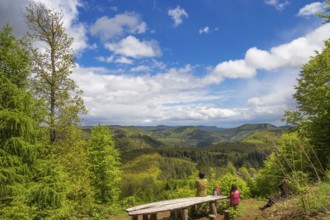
234	196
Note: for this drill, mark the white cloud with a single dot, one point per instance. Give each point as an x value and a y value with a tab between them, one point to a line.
177	15
204	30
8	14
124	60
278	4
235	69
209	112
134	99
293	54
132	47
105	59
141	69
312	9
127	23
275	93
12	11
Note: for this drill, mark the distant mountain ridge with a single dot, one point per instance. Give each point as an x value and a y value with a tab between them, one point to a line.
141	137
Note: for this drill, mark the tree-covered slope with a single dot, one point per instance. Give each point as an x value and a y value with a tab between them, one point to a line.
129	137
242	132
184	136
270	137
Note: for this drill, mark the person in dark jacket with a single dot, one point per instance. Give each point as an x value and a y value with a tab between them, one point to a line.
284	187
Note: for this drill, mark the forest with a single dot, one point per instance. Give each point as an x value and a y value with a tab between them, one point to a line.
51	167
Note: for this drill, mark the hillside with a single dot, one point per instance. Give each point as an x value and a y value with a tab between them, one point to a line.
142	137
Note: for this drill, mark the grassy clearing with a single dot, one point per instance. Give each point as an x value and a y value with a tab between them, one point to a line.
314	204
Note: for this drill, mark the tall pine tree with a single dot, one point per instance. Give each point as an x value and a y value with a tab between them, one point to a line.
18	120
104	164
30	181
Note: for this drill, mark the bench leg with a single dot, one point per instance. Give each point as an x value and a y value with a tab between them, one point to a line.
153	217
134	217
176	214
213	208
226	215
185	214
145	217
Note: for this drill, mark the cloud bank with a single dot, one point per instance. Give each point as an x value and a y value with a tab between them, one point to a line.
177	96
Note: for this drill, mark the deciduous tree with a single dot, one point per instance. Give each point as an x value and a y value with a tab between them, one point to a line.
53	61
312	118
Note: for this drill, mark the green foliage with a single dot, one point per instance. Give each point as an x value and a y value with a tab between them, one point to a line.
312	119
230	169
140	179
269	137
180	189
18	147
17	211
48	193
30	179
129	138
172	168
227	180
104	163
326	13
316	199
233	213
14	61
74	159
293	159
246	176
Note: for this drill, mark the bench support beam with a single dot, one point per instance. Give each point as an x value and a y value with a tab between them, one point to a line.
185	214
213	208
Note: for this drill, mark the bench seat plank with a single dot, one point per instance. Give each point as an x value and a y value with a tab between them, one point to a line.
170	205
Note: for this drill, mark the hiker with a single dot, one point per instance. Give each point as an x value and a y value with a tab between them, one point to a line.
217	191
234	196
284	187
201	185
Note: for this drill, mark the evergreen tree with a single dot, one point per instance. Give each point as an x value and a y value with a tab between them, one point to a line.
104	161
18	124
30	181
53	62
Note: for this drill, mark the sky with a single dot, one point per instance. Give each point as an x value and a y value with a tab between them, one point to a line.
220	63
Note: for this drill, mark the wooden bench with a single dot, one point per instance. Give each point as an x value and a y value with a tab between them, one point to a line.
177	207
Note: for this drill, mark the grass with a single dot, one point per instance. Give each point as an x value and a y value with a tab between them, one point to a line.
314	204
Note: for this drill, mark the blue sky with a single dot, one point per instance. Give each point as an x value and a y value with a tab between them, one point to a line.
171	62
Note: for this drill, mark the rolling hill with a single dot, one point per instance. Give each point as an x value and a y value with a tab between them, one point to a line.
143	137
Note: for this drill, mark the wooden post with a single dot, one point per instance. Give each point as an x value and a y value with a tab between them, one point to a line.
145	217
153	216
185	214
213	208
226	215
176	214
212	217
134	217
